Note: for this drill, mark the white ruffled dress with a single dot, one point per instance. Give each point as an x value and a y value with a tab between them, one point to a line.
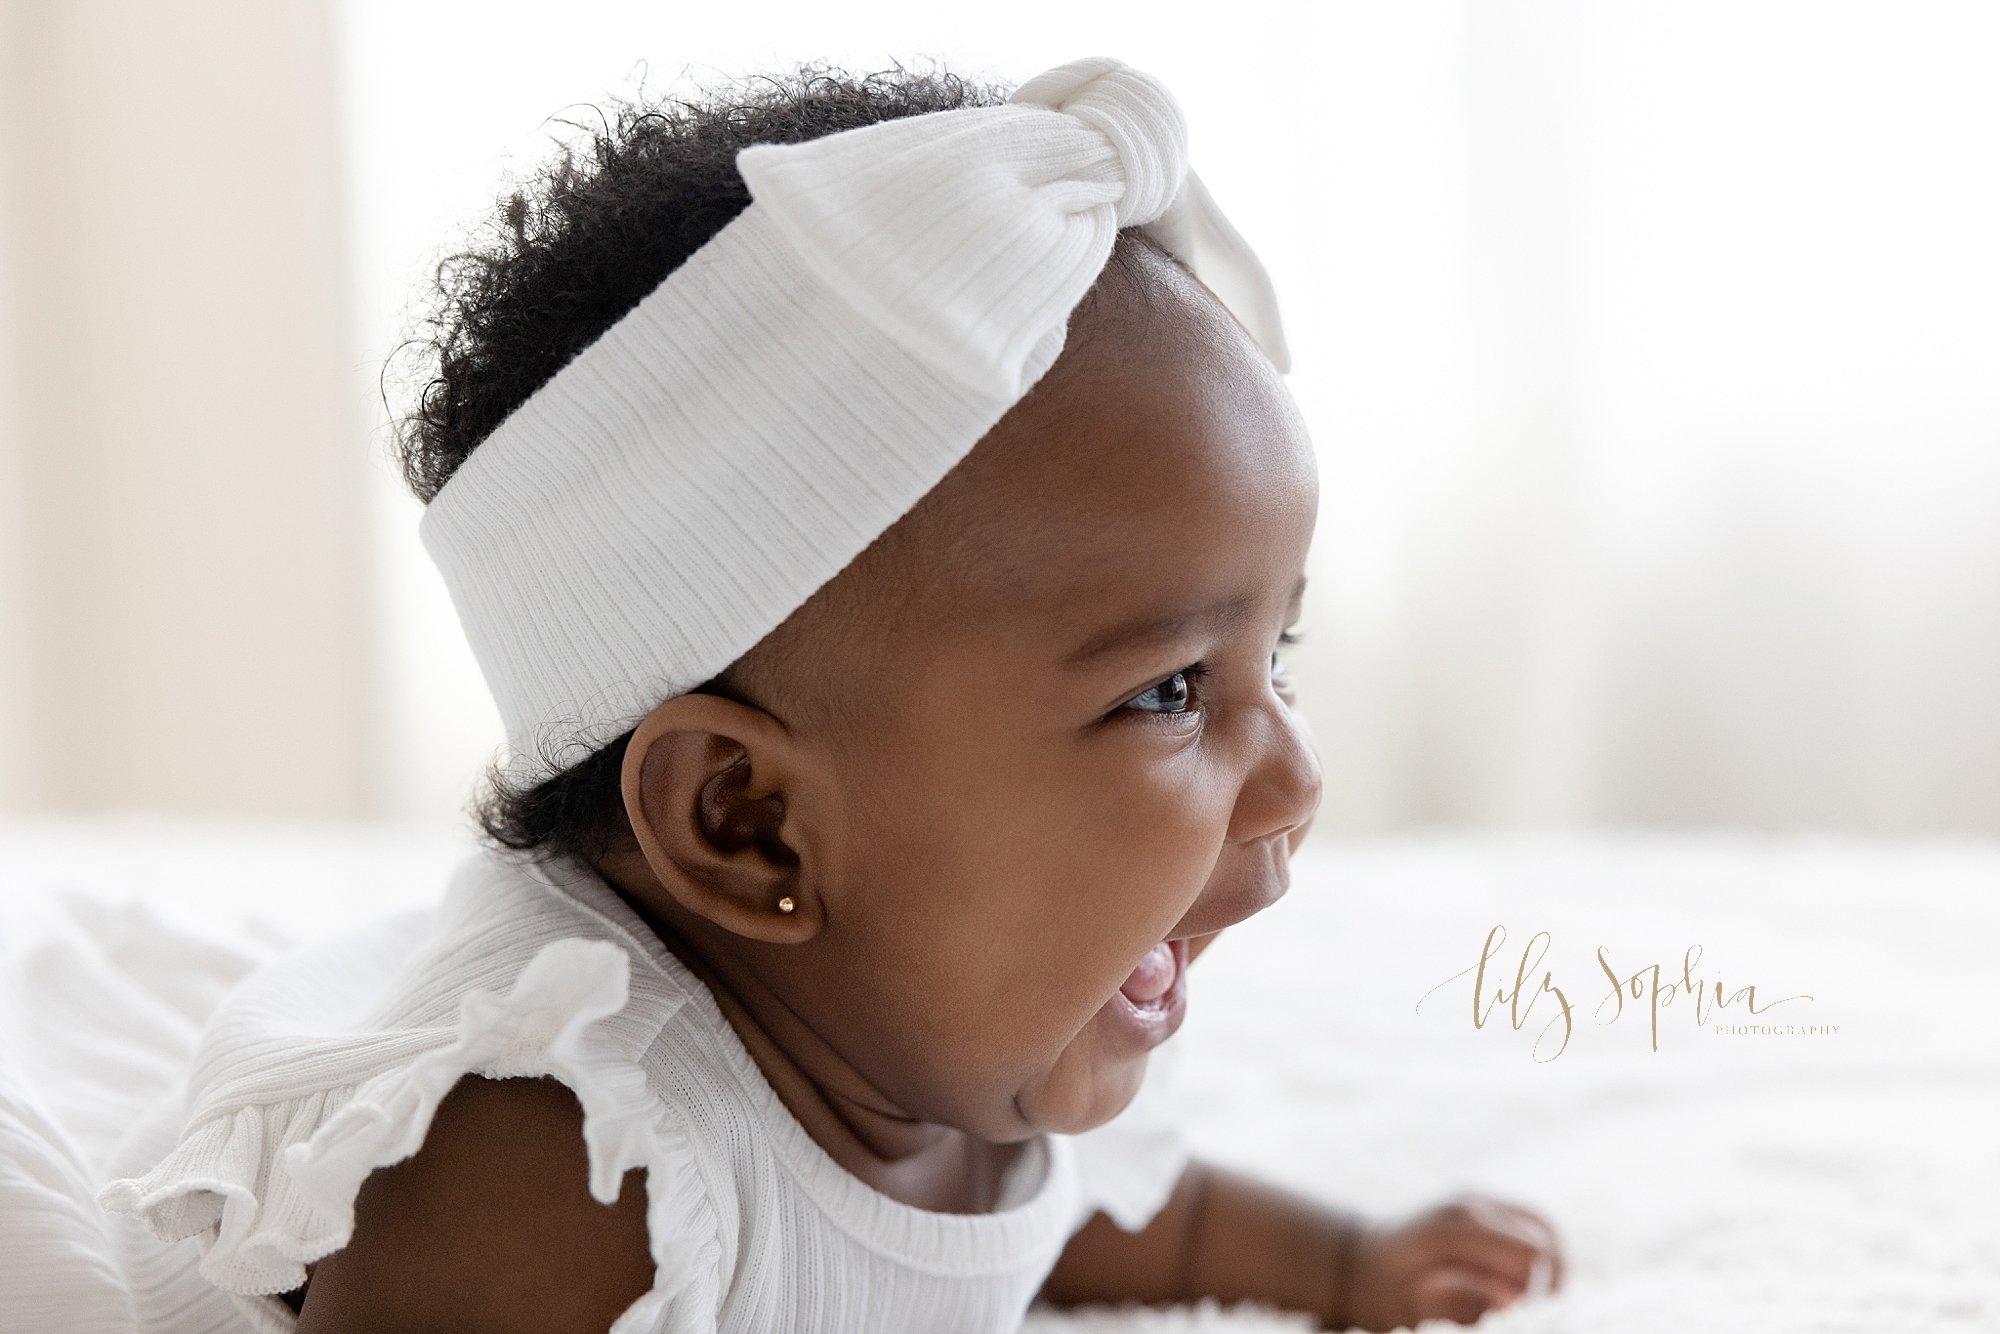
329	1063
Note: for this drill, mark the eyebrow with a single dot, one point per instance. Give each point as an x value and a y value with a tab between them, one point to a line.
1158	628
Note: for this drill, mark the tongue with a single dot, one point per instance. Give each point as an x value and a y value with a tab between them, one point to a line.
1150	980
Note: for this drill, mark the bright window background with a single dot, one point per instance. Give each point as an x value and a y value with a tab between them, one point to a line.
1652	353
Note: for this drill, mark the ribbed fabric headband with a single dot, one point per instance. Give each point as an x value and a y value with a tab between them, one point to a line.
690	478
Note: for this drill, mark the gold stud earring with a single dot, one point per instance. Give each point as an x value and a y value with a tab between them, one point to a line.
785	904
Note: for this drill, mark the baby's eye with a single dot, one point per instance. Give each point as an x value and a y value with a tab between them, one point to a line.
1174	694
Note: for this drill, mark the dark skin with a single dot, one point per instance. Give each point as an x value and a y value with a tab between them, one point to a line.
981	839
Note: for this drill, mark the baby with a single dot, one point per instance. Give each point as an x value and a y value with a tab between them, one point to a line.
807	993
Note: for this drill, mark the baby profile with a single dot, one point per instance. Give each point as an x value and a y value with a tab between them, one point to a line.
878	508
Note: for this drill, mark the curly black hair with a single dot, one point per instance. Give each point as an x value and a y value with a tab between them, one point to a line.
565	255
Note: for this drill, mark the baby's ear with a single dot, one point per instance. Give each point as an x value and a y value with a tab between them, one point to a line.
715	794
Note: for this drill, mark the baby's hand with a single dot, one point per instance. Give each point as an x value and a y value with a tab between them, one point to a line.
1465	1257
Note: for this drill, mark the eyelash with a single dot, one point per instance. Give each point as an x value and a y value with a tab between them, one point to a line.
1195	673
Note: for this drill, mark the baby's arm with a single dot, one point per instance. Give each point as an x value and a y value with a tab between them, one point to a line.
490	1227
1226	1235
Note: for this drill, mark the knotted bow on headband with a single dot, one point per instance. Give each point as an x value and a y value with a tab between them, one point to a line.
779	400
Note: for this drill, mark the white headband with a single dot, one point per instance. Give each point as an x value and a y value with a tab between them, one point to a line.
779	400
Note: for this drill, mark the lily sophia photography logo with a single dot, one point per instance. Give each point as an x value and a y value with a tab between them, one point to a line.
1641	996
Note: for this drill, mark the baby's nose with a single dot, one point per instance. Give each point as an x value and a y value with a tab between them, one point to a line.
1307	781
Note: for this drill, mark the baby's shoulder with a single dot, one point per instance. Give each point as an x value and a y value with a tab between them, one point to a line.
490	1226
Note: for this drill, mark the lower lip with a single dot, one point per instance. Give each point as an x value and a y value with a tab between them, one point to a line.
1151	1024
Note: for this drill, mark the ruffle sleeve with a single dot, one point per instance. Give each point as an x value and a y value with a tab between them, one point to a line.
265	1178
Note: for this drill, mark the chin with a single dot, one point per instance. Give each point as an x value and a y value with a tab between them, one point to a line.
1084	1091
1117	1093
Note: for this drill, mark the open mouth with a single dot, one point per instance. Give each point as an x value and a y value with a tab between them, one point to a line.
1151	1002
1152	983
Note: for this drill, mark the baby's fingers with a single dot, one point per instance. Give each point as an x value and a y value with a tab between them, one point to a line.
1454	1293
1505	1237
1519	1266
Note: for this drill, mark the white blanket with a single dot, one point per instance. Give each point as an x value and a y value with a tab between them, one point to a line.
1757	1181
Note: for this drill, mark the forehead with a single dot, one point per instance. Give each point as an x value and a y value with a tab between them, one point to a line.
1161	456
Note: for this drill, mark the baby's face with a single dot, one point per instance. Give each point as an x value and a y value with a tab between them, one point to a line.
1076	744
1030	736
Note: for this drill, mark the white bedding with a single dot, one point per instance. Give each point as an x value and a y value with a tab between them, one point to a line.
1844	1180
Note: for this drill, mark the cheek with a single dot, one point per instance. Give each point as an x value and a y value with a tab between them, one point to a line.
1147	817
1000	901
1129	786
995	905
1068	877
